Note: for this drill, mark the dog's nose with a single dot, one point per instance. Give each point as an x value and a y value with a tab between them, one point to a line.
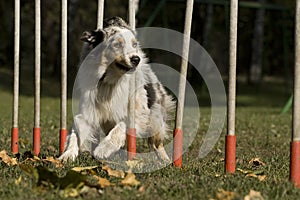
135	60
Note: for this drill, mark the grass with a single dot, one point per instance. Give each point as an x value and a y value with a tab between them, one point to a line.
261	133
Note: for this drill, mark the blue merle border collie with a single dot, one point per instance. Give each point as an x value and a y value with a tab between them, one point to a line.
110	58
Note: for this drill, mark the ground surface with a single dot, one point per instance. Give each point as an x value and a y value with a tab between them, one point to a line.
262	133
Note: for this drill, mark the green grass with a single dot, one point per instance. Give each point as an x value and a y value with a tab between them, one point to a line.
261	132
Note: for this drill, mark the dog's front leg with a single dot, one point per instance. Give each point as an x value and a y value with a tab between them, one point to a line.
71	149
79	133
112	142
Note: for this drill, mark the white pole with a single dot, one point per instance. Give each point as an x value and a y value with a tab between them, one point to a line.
131	132
295	144
37	63
100	14
64	41
16	64
230	146
178	132
132	83
14	131
232	67
36	129
63	105
296	113
184	62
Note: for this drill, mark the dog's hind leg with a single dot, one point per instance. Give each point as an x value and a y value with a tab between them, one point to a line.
156	145
158	132
112	142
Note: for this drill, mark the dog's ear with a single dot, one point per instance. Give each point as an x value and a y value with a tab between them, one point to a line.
93	38
115	21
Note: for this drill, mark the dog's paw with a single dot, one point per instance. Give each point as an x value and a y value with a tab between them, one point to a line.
68	155
72	149
112	142
161	153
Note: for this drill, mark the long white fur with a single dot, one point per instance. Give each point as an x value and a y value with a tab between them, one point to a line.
100	103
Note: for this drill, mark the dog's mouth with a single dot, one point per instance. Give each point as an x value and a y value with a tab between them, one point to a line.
124	67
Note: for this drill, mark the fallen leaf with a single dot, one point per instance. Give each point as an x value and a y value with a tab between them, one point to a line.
8	160
244	171
18	181
256	172
225	195
259	177
72	192
142	189
130	180
253	195
51	159
115	173
103	182
256	162
80	169
29	170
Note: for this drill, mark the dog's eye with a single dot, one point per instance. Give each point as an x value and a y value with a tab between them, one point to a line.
117	45
134	45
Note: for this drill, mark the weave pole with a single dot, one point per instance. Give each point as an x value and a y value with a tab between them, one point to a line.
295	144
63	104
178	132
36	129
100	14
131	131
15	129
230	146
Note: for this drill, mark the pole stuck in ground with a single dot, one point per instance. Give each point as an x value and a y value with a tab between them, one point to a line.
36	129
63	103
230	146
178	132
15	129
131	131
100	14
295	144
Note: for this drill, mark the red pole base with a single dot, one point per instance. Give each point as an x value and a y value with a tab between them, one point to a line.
295	163
177	147
14	140
131	143
62	140
36	141
230	154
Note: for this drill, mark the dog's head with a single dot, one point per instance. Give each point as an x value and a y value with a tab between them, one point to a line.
121	46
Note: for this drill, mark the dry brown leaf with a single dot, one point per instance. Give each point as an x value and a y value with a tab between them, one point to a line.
103	182
8	160
244	171
80	169
253	195
256	162
259	177
142	189
18	181
130	180
225	195
115	173
51	159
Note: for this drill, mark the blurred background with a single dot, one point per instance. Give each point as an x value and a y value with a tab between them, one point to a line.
265	40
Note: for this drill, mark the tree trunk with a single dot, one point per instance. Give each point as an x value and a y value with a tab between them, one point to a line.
255	75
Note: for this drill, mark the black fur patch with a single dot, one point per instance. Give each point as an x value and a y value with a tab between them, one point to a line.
93	38
150	94
115	21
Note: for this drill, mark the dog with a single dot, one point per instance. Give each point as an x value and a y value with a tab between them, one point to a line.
111	58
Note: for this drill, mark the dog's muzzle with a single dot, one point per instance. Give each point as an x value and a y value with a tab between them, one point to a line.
135	60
